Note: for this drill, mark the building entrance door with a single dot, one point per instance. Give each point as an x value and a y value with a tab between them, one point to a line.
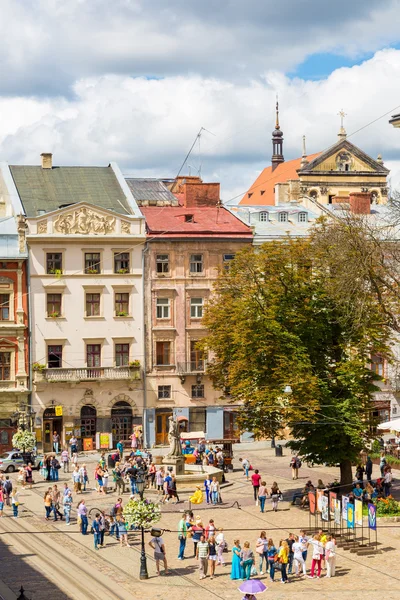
51	423
162	428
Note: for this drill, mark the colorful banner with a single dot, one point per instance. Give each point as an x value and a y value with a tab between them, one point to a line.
345	502
58	411
324	508
336	512
312	503
372	516
87	444
350	516
104	441
332	498
358	509
320	494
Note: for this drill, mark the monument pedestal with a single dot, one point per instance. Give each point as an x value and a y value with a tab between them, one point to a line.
176	462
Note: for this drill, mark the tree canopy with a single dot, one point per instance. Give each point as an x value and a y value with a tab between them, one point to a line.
274	321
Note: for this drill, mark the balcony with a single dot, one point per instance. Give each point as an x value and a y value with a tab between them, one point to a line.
61	375
192	368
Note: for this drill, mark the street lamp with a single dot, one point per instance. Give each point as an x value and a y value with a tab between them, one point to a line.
140	483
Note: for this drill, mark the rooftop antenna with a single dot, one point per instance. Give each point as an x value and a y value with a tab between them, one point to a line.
198	136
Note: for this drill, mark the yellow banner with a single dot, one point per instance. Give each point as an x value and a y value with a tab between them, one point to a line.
105	440
58	410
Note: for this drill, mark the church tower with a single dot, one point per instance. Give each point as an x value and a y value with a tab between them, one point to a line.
277	142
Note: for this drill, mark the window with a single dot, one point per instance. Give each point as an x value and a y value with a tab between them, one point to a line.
302	217
121	355
378	365
121	262
53	262
264	216
164	392
93	354
228	257
163	353
282	217
92	305
5	366
196	357
196	263
196	308
162	263
92	263
198	390
53	305
54	357
162	308
122	304
4	307
197	419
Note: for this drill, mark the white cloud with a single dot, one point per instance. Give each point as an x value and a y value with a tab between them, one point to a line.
147	126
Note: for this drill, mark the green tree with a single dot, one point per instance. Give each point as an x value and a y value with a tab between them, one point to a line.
272	322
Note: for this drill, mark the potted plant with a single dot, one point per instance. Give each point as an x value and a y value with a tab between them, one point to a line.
92	271
25	441
56	272
54	314
38	367
123	271
121	313
134	363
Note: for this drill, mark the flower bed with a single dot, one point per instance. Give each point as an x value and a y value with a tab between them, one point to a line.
385	507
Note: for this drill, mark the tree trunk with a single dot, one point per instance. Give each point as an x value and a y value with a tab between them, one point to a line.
346	477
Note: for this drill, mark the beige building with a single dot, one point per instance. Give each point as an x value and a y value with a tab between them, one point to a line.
190	237
85	239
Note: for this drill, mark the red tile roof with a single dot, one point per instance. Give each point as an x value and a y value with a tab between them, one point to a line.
170	221
262	191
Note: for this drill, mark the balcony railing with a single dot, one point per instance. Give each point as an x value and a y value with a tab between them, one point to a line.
87	374
198	366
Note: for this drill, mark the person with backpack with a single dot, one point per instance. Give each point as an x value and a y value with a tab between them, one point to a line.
295	464
7	489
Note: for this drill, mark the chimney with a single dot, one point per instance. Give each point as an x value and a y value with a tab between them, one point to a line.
47	160
360	203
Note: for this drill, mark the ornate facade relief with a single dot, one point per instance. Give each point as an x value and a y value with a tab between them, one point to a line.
125	227
42	227
84	221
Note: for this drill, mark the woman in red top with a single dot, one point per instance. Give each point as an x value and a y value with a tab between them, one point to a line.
255	480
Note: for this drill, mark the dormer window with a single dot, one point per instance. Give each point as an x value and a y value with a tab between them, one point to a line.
189	218
303	217
264	216
283	217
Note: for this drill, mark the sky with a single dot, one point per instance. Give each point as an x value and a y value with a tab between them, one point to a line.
134	81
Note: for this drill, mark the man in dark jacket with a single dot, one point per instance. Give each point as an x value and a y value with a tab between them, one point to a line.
368	469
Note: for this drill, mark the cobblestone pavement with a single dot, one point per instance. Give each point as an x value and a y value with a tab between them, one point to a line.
115	570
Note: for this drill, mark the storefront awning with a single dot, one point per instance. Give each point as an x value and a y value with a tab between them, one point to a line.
182	418
392	425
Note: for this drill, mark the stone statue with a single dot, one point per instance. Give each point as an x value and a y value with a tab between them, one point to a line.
174	438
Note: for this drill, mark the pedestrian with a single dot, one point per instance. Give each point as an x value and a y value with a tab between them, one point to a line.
83	477
303	540
283	556
105	480
133	442
120	448
56	442
272	555
197	531
214	490
157	543
83	516
255	481
172	491
55	497
182	536
160	480
330	555
1	501
74	459
73	442
210	529
382	463
47	501
76	478
221	545
22	476
207	488
262	495
290	541
368	469
360	473
387	483
262	551
43	470
122	530
212	555
67	504
54	467
152	475
298	557
7	489
246	560
29	475
236	568
65	460
48	468
96	531
275	496
15	502
245	466
295	464
118	478
316	557
202	552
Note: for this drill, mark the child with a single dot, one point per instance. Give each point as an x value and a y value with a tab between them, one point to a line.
105	480
15	502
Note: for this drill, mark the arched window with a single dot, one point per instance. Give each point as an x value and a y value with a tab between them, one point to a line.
263	216
283	217
88	421
121	421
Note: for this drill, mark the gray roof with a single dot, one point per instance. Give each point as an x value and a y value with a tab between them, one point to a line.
151	190
48	189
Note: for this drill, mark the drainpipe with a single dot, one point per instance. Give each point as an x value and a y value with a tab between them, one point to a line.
144	418
28	277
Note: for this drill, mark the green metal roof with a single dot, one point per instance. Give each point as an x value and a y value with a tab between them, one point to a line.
49	189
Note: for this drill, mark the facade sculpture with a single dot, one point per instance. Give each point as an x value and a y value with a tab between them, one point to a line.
175	448
84	221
